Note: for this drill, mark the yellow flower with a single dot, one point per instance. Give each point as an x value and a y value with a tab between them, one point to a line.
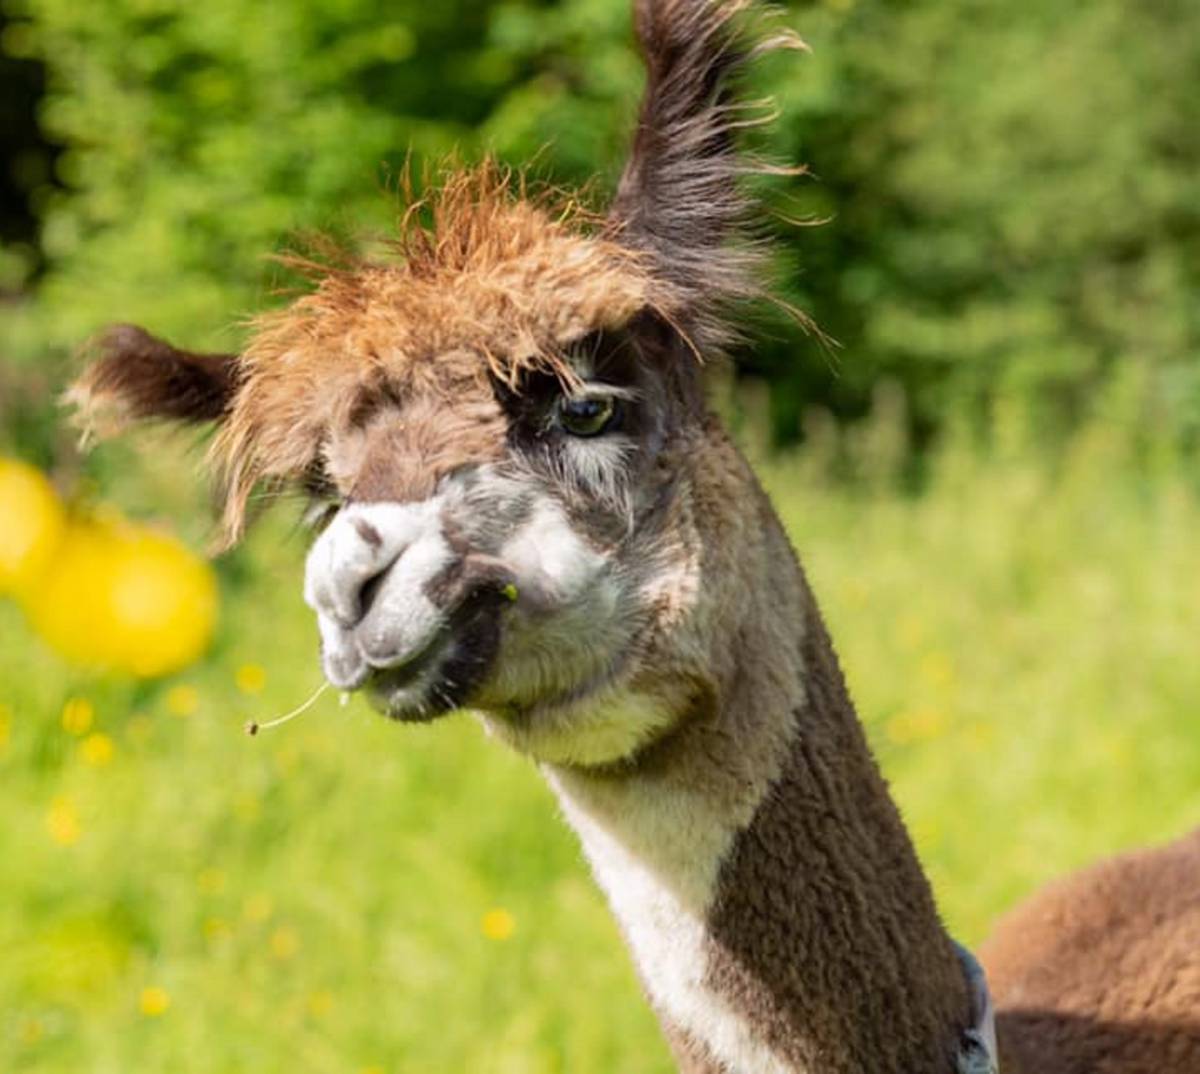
372	1070
32	1030
97	749
62	822
5	727
937	669
216	928
154	1001
498	924
78	715
284	943
247	806
258	908
125	597
251	678
320	1003
916	725
183	700
211	881
33	525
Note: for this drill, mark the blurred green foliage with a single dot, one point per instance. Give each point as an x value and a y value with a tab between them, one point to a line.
1012	187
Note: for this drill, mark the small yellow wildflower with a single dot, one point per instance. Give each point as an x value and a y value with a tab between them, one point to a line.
372	1070
258	908
498	924
32	1030
154	1001
183	700
320	1003
97	749
251	678
216	928
78	714
916	725
211	881
247	806
284	943
5	728
937	669
62	822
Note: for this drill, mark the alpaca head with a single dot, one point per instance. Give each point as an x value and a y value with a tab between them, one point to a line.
502	419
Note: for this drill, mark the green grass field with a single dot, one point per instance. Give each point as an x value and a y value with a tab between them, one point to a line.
344	895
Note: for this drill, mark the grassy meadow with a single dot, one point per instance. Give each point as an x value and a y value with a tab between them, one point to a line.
344	895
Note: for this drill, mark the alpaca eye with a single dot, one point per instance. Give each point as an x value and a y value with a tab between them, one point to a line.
587	415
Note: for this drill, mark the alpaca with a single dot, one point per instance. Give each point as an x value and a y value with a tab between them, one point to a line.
531	514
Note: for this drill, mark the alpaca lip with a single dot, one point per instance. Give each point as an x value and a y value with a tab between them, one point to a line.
396	690
441	677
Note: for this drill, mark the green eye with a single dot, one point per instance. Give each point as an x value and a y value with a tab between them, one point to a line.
587	415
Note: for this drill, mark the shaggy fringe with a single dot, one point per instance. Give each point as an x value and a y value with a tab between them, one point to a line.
488	276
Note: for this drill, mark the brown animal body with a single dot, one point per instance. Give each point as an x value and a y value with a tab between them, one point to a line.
532	515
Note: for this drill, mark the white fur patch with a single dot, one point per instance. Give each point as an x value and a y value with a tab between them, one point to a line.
547	551
658	866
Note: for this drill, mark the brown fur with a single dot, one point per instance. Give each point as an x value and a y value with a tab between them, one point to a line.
824	927
1099	973
134	375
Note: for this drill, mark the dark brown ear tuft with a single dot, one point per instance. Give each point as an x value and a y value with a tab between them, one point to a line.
679	198
135	376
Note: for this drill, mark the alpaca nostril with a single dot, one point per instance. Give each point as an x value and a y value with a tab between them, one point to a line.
369	590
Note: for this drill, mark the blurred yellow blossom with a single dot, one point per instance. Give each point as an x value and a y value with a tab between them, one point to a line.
247	806
5	727
216	928
154	1001
284	942
498	924
258	908
320	1003
33	525
78	715
62	821
251	678
937	669
211	881
97	749
372	1070
916	725
183	700
124	596
32	1030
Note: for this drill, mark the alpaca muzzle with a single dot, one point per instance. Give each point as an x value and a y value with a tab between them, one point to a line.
392	596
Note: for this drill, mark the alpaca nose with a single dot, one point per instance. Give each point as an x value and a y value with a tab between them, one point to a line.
370	577
358	562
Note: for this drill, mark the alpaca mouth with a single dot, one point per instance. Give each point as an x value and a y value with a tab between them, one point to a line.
443	675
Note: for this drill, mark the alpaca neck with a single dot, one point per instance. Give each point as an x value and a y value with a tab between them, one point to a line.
775	907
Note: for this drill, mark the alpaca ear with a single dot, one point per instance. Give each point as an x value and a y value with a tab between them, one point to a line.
135	376
679	198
